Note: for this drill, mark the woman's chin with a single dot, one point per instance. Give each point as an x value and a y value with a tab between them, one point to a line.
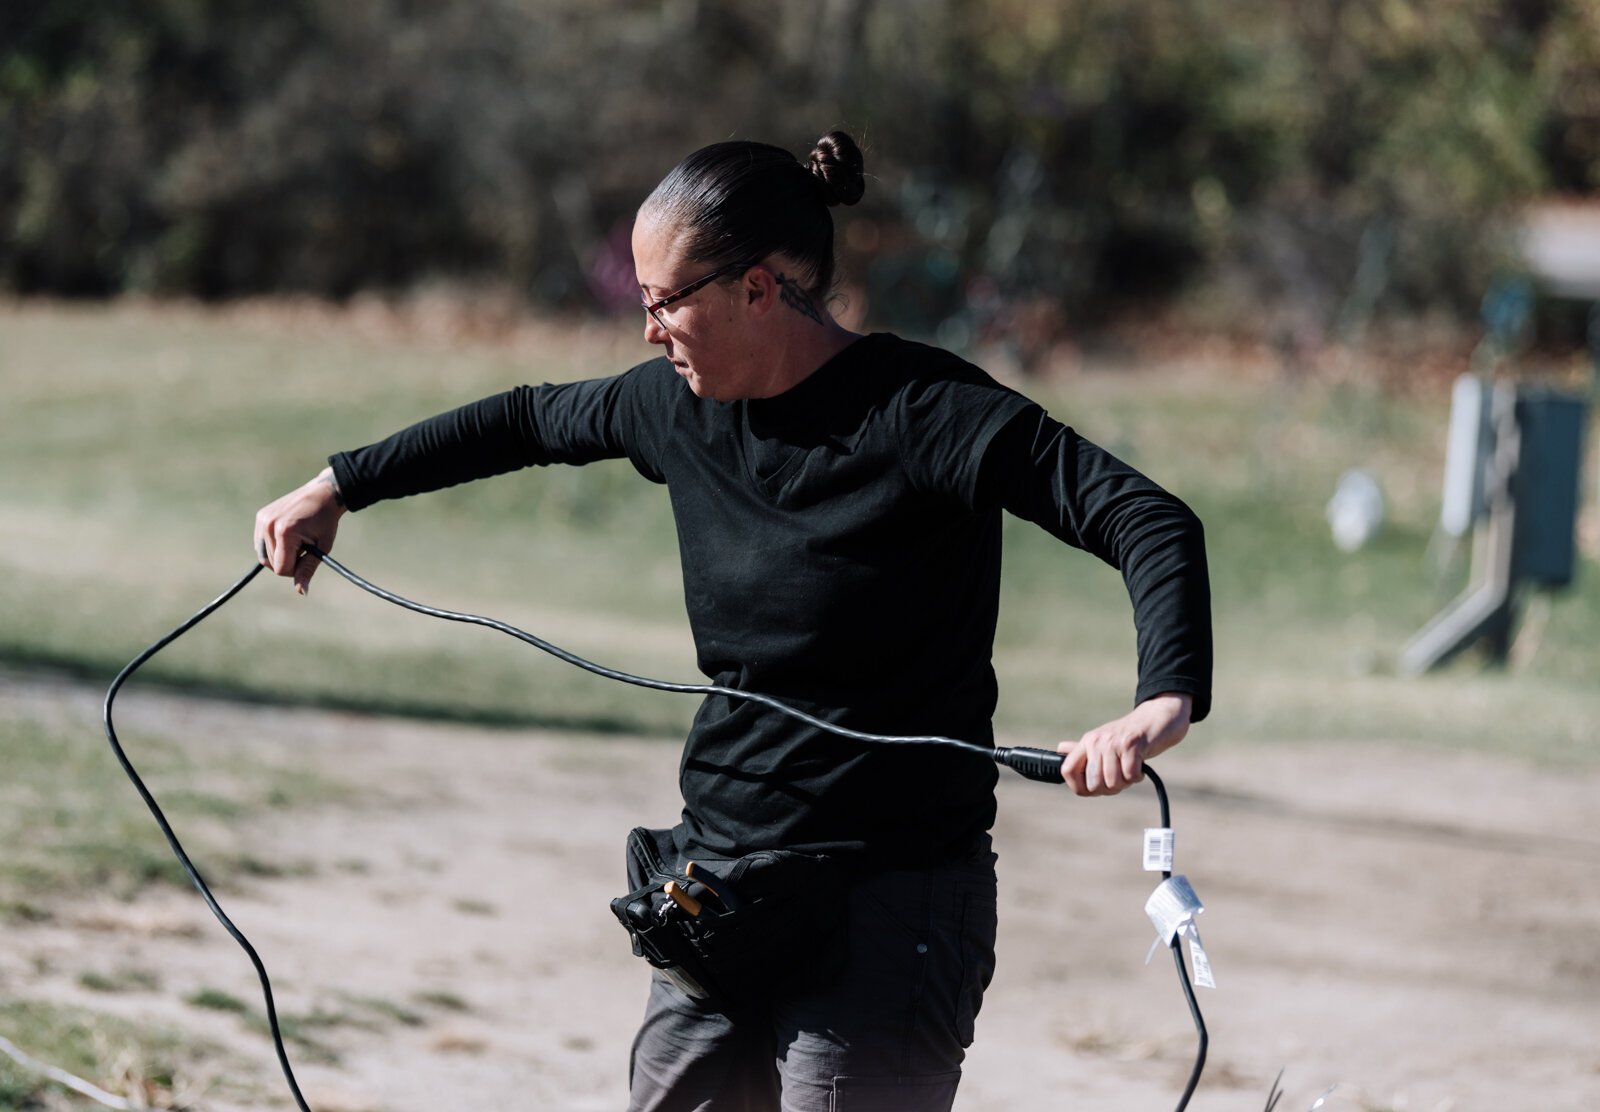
697	385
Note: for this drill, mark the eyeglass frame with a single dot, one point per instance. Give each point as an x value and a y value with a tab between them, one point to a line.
682	292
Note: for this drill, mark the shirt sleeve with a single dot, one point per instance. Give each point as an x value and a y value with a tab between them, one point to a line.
577	422
945	423
1042	471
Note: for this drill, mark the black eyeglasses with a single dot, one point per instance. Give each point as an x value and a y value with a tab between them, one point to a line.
652	307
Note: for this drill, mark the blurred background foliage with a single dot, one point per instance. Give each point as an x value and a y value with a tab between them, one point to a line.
1037	164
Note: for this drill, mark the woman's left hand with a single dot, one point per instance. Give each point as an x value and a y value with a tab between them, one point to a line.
1108	758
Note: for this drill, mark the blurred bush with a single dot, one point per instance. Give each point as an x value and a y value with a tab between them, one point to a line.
1036	160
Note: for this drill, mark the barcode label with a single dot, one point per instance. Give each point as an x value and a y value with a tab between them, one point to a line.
1202	964
1158	846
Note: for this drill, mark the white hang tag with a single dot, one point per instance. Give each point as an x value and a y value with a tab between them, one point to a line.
1197	955
1158	846
1172	904
1172	908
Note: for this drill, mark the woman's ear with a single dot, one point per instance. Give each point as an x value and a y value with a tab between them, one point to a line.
760	289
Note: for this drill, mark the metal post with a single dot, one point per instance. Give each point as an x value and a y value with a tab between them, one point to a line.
1486	611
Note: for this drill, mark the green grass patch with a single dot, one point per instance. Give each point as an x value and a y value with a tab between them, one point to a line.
389	1010
72	823
301	1032
120	980
137	444
135	1060
443	1000
308	1031
216	1000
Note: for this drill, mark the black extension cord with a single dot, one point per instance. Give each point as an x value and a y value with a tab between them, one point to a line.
1043	765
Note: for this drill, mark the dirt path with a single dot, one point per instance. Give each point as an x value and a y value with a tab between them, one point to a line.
1419	928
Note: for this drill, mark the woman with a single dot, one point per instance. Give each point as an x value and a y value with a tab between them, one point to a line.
838	501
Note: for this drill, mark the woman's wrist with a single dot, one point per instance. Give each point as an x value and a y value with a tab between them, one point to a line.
331	481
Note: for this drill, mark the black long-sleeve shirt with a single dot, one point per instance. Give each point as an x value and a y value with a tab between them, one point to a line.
841	551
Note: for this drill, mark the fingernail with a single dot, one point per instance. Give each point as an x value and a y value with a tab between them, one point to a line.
302	588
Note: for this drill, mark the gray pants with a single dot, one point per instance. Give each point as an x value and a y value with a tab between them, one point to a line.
888	1035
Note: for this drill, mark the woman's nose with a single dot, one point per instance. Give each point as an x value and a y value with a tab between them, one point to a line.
653	332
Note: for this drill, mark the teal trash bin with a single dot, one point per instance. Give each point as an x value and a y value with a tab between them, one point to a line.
1549	484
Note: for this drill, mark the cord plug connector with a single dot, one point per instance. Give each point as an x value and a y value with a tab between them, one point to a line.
1042	765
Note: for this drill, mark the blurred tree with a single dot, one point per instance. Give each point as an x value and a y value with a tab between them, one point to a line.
1036	162
1569	66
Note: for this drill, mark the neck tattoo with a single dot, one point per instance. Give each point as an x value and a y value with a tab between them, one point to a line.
792	295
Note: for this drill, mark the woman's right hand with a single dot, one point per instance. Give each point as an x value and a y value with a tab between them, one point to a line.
307	515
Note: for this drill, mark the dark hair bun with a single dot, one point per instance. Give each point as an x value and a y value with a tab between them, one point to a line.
837	166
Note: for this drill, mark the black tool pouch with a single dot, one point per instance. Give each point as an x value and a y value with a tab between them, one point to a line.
769	921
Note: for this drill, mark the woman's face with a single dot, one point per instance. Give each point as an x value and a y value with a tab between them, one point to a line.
705	335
